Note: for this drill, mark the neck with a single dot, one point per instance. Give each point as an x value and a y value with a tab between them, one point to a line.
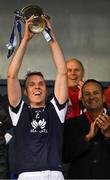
37	105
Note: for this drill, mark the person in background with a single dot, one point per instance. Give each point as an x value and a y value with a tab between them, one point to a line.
38	126
87	137
107	96
75	75
5	136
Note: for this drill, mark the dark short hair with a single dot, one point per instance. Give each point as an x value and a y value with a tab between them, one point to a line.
94	81
31	74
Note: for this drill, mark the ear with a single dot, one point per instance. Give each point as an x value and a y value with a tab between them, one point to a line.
103	98
82	101
25	92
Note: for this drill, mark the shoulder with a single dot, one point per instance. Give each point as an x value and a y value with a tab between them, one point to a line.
18	108
76	120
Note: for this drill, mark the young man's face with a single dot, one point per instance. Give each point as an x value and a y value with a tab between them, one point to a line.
36	91
92	96
75	73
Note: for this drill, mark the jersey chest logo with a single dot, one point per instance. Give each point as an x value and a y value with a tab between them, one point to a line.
38	123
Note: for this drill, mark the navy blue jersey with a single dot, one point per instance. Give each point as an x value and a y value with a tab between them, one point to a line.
38	136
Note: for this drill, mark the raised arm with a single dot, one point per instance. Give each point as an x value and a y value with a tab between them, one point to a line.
60	89
14	89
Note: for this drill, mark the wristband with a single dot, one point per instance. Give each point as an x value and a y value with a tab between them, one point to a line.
46	34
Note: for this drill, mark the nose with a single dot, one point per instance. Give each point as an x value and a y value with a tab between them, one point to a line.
37	86
91	96
72	71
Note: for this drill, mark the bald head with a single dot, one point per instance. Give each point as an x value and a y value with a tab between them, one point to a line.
75	71
72	61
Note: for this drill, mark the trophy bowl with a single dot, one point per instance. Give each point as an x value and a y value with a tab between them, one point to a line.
38	23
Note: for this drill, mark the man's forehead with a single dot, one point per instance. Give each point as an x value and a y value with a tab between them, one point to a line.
91	86
73	64
35	78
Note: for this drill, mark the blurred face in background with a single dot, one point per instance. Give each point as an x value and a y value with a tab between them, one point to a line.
93	96
75	72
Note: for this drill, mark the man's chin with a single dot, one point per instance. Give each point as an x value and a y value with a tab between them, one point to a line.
92	108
